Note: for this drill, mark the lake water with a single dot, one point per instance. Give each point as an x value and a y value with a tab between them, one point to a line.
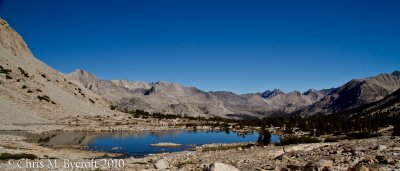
139	143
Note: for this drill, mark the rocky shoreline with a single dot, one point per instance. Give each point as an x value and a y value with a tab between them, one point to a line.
379	153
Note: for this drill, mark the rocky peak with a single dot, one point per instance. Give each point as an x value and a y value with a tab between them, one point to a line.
295	92
222	92
160	82
316	95
165	88
164	84
131	85
12	42
82	76
309	92
326	92
269	94
396	73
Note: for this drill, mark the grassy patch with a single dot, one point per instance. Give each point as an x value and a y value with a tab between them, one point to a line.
25	74
15	148
363	135
4	71
43	75
331	139
44	139
8	156
225	147
91	100
139	163
181	164
113	107
46	98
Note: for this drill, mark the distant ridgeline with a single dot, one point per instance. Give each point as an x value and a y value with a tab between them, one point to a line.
360	122
173	98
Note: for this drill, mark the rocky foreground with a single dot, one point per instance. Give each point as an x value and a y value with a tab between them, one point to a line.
381	153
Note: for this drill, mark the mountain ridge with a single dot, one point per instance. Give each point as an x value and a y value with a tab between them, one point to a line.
269	103
27	84
354	93
32	93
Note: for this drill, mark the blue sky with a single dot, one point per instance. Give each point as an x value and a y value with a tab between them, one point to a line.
239	46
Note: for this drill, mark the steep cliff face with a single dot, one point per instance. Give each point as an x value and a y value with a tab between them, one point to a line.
31	92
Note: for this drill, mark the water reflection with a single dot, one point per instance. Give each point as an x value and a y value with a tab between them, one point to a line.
138	143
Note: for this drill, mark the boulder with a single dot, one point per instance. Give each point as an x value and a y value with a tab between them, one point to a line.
320	165
363	168
324	163
381	159
294	167
358	168
396	148
310	167
380	147
161	164
222	167
284	157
